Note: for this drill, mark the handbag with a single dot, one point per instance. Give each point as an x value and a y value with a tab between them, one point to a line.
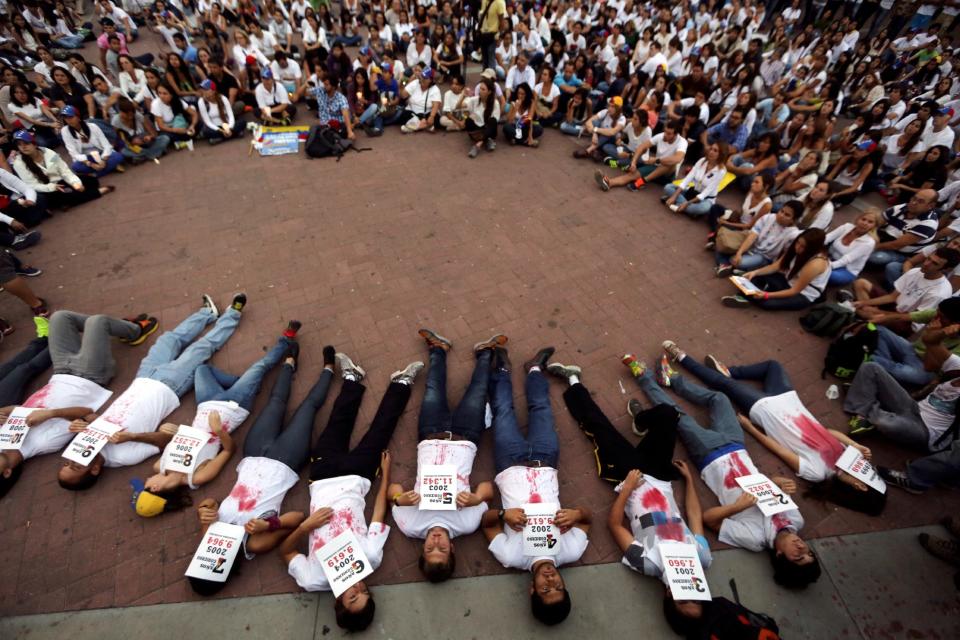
729	240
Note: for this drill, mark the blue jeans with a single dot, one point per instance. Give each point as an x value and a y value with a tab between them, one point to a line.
108	131
112	162
570	128
541	443
215	384
371	117
610	149
893	271
938	468
347	41
840	277
69	42
696	209
151	151
173	360
883	258
769	372
467	421
898	358
748	262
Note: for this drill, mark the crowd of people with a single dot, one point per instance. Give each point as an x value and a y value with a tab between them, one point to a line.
811	109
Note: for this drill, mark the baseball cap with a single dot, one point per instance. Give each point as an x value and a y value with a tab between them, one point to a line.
867	145
266	73
617	100
143	502
427	74
364	51
386	67
69	111
22	135
208	85
945	111
489	74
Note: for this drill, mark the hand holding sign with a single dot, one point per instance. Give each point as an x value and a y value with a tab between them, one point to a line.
15	428
181	452
854	463
771	499
88	443
683	571
343	561
217	552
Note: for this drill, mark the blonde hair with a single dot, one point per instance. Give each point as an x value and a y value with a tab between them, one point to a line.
875	214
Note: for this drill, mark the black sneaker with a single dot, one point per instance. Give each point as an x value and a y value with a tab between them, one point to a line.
292	328
899	479
147	326
28	272
564	370
634	408
434	339
239	302
293	352
735	302
502	359
539	360
208	303
329	356
25	240
724	271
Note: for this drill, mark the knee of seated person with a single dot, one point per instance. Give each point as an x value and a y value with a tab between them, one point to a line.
355	608
683	616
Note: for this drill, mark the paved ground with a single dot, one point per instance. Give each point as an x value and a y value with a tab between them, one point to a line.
364	252
910	596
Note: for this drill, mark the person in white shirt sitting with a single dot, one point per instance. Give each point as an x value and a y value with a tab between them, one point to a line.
520	73
89	149
218	121
698	190
423	103
273	102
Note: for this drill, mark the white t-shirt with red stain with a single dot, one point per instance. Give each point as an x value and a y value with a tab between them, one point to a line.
258	493
414	522
749	529
139	409
787	421
521	485
232	416
61	392
345	496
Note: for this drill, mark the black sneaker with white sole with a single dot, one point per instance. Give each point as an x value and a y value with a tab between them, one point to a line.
899	479
25	240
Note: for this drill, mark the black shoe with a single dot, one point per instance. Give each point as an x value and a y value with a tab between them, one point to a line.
25	240
329	356
899	479
293	351
239	302
28	272
539	360
292	328
502	359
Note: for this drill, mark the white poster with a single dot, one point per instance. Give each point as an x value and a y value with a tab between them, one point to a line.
541	536
684	573
853	462
217	552
438	487
770	498
344	562
180	454
14	430
90	441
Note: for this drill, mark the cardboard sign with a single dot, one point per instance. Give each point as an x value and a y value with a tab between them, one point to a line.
853	462
771	499
683	571
344	562
438	487
541	537
90	441
181	453
14	430
746	286
217	552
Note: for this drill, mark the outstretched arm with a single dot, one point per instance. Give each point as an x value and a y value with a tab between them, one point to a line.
791	459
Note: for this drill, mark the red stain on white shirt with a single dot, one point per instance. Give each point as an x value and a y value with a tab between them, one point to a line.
737	470
245	496
814	435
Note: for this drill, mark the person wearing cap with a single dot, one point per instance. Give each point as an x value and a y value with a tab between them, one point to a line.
87	146
218	122
45	172
224	402
79	348
939	133
140	138
423	103
603	128
389	91
527	472
364	60
273	102
164	376
174	117
642	476
227	85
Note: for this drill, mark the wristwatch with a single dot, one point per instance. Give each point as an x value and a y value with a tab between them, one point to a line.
500	515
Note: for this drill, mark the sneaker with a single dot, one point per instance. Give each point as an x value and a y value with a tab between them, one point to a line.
502	359
239	302
25	240
43	326
858	425
329	356
845	295
639	183
601	180
147	326
636	366
634	408
899	479
435	339
727	214
946	550
736	302
292	353
710	245
665	372
738	272
952	524
408	374
494	341
676	353
724	271
190	145
405	129
474	152
179	146
28	272
208	303
632	186
120	168
292	328
373	132
348	369
491	144
712	363
539	359
611	162
564	370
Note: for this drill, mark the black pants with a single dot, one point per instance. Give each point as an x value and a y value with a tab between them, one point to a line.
487	132
332	456
71	198
30	216
616	456
17	372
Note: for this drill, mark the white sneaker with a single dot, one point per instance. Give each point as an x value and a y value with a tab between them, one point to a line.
673	207
406	129
190	145
726	214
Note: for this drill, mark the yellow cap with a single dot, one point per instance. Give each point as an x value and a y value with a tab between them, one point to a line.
149	505
617	100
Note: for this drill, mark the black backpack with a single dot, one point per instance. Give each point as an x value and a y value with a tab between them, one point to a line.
826	319
726	620
324	141
854	347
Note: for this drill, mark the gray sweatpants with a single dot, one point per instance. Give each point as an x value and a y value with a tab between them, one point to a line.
80	344
879	398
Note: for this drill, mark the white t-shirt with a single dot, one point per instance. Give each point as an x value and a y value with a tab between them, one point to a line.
852	257
664	148
772	237
232	416
786	420
938	410
421	102
139	409
605	118
261	485
345	495
704	109
61	392
451	100
916	292
415	523
749	529
519	486
165	112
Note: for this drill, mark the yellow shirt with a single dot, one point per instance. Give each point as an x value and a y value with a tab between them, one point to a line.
491	23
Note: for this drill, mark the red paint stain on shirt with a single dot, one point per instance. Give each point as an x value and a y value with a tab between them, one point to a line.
780	521
39	399
737	469
441	454
670	531
532	484
815	436
245	496
653	500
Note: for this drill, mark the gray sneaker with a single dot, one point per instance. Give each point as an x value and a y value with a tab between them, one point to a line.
671	349
564	370
408	374
474	152
491	144
210	304
348	369
634	408
494	341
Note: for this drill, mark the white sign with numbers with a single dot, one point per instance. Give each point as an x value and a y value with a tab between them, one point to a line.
771	499
14	430
344	562
684	573
180	454
853	462
438	487
88	443
541	537
217	552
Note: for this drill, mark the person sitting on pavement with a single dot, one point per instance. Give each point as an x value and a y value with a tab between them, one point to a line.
333	110
769	236
422	111
756	204
273	101
697	191
447	438
619	152
731	131
482	113
218	122
907	228
668	150
850	245
527	473
603	128
46	172
521	126
88	148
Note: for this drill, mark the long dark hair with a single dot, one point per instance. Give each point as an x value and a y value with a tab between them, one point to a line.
774	145
491	98
181	75
813	244
35	169
31	99
176	104
527	96
89	69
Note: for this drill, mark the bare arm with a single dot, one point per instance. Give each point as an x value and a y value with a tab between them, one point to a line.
791	459
380	503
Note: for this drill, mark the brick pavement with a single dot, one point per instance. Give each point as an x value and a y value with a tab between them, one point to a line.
365	252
